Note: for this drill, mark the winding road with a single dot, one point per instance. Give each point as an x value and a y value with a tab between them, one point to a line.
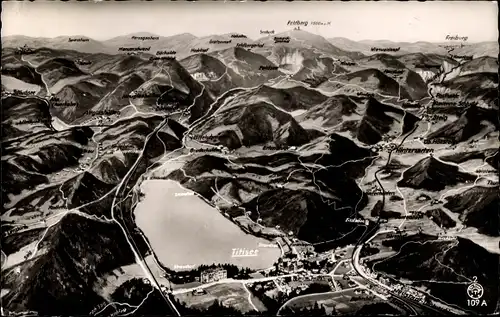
120	192
119	213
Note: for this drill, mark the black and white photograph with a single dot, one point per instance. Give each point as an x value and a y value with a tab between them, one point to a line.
255	158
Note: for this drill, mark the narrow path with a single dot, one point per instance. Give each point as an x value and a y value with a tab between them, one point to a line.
250	297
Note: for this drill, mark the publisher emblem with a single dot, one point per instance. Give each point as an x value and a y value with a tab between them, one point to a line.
475	290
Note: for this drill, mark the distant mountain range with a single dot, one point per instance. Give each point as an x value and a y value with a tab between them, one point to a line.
183	43
457	48
290	135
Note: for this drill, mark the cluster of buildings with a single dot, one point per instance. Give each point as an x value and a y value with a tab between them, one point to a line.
264	286
301	258
299	283
408	292
287	289
293	264
85	165
99	120
213	275
289	264
295	246
307	276
361	292
104	120
370	273
24	50
205	76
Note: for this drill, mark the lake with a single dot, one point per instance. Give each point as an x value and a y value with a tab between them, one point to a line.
184	231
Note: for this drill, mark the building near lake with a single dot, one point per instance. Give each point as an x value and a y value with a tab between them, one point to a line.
213	275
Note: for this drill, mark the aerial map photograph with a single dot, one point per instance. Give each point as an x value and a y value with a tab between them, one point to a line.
255	158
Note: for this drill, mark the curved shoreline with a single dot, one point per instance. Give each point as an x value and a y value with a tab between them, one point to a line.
248	240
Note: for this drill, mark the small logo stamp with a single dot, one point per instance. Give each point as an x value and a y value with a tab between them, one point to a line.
475	290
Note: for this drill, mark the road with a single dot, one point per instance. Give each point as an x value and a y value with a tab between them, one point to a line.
355	257
247	281
41	76
357	251
407	301
120	191
122	187
3	258
231	280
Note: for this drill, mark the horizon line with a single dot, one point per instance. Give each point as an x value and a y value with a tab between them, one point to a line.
253	39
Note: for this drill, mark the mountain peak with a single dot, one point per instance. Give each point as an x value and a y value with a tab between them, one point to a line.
430	162
141	34
299	34
65	37
434	175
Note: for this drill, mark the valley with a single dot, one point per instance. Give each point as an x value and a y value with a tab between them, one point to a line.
291	173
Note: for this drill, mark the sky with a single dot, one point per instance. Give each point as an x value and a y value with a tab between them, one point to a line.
391	20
